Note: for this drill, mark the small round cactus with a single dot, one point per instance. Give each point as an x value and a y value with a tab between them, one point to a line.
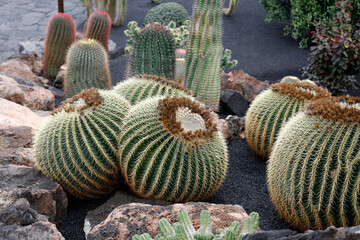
60	34
170	149
87	67
313	172
98	27
140	87
272	108
167	12
77	145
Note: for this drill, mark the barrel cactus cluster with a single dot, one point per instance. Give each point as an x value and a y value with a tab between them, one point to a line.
140	87
170	148
77	145
313	171
272	108
87	67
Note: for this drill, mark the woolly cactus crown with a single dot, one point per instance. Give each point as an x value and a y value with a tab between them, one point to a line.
300	90
170	148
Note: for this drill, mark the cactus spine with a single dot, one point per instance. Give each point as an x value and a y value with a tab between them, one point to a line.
140	87
154	52
60	34
272	108
87	67
204	52
98	27
313	172
232	5
171	149
77	144
184	229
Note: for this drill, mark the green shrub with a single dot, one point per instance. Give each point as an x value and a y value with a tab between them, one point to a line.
166	12
334	60
304	15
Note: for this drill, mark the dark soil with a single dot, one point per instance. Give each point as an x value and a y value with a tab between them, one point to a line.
263	52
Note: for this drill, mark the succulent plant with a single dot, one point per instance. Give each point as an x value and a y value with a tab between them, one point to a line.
60	34
98	27
180	33
166	12
115	8
232	5
272	108
313	172
132	33
77	144
87	67
170	149
154	52
184	229
204	52
226	60
140	87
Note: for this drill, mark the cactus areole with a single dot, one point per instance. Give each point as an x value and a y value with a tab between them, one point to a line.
313	173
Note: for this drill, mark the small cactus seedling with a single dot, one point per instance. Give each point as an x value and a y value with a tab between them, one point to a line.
98	27
87	67
313	172
170	149
60	34
141	87
153	52
77	144
184	229
272	108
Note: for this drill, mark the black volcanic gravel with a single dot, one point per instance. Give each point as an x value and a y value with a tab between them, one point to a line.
263	52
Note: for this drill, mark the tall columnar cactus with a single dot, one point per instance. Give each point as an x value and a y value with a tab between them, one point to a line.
272	108
77	145
98	27
140	87
232	5
170	149
115	8
87	67
154	52
60	34
313	172
204	52
184	229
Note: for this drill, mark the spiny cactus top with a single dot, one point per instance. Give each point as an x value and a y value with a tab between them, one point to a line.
170	148
77	144
60	34
167	12
137	88
154	52
313	172
87	67
98	27
272	108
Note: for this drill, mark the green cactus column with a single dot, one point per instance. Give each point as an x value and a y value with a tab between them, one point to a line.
170	149
60	34
77	144
154	52
87	67
140	87
272	108
204	52
98	27
313	173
